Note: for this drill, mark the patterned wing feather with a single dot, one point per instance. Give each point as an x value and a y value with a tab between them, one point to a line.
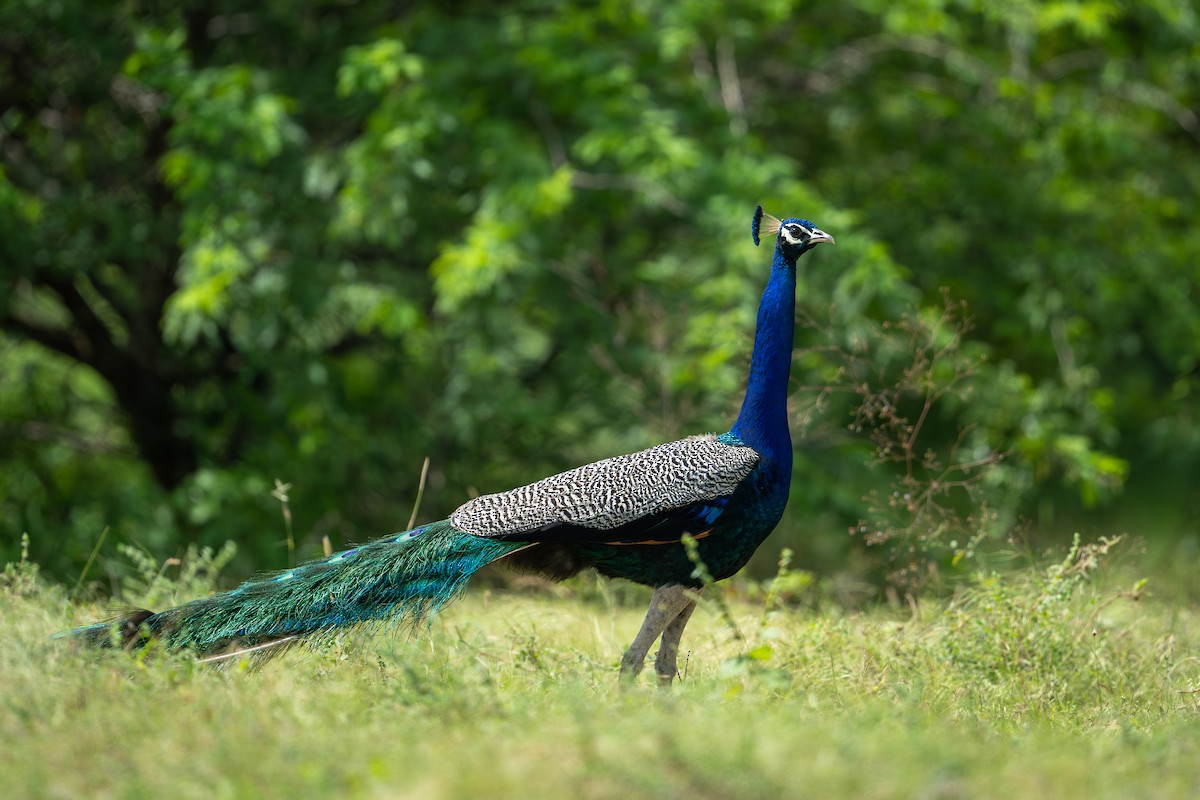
617	496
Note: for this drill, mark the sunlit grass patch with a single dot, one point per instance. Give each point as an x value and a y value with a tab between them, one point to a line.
1019	685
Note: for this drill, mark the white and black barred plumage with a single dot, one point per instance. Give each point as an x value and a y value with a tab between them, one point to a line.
615	491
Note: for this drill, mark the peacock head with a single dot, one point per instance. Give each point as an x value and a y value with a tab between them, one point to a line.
794	236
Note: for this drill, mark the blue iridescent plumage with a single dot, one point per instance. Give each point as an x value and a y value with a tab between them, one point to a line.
625	516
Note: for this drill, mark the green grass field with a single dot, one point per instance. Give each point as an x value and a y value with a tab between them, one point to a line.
1043	683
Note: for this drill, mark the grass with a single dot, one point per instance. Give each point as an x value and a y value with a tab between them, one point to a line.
1046	682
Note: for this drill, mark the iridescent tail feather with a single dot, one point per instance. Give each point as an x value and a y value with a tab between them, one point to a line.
399	580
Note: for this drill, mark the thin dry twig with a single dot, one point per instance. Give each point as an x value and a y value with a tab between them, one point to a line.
892	380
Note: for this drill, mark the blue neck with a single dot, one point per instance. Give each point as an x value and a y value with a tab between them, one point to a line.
762	422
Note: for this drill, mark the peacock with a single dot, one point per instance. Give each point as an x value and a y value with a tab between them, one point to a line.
634	516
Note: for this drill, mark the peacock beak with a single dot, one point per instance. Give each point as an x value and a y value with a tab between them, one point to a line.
817	236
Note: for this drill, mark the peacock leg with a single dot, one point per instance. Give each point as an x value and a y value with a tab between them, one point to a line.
665	606
668	651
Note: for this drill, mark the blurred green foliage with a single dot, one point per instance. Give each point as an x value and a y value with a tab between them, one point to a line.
320	241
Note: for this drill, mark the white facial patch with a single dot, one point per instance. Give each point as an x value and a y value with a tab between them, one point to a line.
786	233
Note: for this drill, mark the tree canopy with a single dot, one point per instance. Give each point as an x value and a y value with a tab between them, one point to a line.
318	242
